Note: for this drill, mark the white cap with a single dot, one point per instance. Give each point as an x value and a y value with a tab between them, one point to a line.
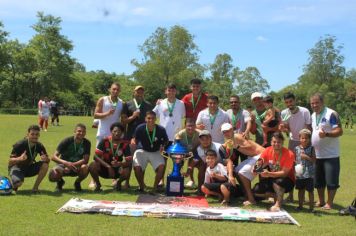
256	95
226	127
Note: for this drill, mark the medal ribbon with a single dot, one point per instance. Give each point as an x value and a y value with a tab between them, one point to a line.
193	103
75	146
151	138
34	151
171	108
277	161
212	118
235	118
112	148
320	116
136	104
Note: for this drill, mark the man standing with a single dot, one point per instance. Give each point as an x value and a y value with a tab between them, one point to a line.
108	111
134	111
240	119
72	156
195	101
325	138
257	118
54	112
150	140
294	119
22	161
43	112
212	118
170	112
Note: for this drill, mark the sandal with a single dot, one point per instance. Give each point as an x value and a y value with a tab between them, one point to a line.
225	203
326	207
275	209
248	203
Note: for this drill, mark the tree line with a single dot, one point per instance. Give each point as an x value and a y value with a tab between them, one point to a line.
44	67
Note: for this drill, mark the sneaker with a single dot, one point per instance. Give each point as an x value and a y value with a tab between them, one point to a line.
350	210
77	186
190	184
60	184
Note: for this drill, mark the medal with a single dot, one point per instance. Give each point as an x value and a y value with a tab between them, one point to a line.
212	118
318	118
151	145
171	108
193	103
151	138
170	114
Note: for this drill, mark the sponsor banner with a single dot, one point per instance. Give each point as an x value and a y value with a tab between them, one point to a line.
115	208
197	201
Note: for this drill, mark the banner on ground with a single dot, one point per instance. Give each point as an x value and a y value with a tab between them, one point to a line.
115	208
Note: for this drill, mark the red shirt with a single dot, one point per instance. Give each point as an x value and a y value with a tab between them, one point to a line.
286	160
202	104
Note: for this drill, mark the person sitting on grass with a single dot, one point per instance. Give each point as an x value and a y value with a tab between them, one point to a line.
22	161
72	156
215	175
112	158
305	160
279	177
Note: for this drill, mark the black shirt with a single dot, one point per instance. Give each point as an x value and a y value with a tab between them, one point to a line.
128	109
143	141
21	146
73	152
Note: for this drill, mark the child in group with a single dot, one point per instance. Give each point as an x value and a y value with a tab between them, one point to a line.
271	118
304	169
215	175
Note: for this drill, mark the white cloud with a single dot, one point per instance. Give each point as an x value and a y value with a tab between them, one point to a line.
261	38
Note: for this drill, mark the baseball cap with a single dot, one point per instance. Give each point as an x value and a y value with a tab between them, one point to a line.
256	95
139	87
226	127
204	133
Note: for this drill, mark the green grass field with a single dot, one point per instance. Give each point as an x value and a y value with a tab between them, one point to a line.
26	214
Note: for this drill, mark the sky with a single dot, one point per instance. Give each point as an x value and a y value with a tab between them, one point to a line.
272	35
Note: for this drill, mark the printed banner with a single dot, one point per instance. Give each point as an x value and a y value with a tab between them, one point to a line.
76	205
197	201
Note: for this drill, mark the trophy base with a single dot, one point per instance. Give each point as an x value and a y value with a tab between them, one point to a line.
175	185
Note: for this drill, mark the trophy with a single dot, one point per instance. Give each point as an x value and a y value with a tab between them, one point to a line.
175	181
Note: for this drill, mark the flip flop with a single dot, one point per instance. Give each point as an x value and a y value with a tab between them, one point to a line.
275	209
248	203
326	207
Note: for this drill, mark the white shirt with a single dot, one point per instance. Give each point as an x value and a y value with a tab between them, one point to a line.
297	121
44	108
327	147
173	123
106	122
242	117
201	152
219	169
215	128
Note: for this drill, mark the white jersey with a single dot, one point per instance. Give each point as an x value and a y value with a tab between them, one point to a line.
327	147
296	122
219	169
242	117
214	127
172	123
105	123
43	108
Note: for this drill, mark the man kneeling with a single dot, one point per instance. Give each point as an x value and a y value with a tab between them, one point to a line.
72	156
112	158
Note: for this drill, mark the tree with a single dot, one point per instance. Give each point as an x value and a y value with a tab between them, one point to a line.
249	81
220	83
168	57
51	50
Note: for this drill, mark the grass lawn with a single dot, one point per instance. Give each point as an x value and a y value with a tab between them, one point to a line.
26	214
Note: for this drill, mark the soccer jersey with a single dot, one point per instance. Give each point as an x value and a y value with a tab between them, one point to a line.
191	110
109	151
170	116
21	146
191	142
239	120
44	108
143	139
73	152
219	169
296	122
105	123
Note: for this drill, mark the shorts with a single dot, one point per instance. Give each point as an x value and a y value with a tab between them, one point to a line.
214	187
18	174
245	167
104	172
142	158
307	184
235	191
327	173
266	185
61	168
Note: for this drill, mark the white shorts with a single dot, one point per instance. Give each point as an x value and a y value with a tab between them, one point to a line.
142	158
245	167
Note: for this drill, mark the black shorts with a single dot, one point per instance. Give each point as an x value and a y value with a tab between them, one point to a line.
18	174
235	191
214	187
307	184
327	173
266	185
104	172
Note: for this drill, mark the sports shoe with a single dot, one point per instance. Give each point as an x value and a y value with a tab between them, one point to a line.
350	210
190	184
77	186
60	184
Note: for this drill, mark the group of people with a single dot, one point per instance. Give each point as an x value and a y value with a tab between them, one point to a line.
226	158
46	109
